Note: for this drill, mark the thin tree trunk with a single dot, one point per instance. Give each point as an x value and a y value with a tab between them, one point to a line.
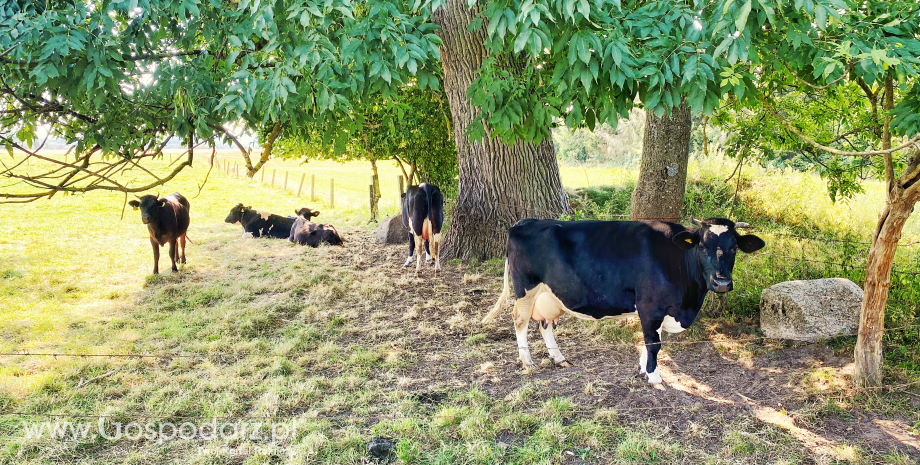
868	353
659	192
903	194
499	183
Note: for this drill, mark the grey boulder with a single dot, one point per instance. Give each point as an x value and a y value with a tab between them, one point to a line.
810	310
392	231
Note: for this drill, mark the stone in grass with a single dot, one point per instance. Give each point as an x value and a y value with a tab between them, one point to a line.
392	231
381	448
810	310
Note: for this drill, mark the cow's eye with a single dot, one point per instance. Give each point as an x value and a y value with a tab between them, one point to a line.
734	248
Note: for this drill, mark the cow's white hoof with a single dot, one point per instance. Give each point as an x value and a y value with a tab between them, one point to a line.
408	262
659	386
428	259
654	377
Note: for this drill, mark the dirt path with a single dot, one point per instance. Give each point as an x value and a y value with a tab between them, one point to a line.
803	389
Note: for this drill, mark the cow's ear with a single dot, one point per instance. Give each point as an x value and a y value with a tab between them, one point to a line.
686	240
134	204
316	213
750	243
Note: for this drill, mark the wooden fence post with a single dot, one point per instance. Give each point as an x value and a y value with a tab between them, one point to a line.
301	184
402	189
373	210
313	188
263	177
331	192
273	177
285	180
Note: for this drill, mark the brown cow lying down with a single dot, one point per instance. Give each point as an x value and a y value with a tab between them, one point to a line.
306	232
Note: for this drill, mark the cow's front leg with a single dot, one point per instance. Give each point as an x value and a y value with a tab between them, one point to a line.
156	255
523	309
173	253
411	250
648	361
546	329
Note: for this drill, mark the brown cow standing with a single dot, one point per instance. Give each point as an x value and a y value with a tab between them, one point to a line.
167	220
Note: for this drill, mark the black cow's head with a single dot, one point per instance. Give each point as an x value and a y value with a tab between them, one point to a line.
718	242
306	213
236	214
149	206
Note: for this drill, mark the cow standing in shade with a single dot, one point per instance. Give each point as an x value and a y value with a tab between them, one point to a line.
423	215
655	270
167	221
306	232
259	223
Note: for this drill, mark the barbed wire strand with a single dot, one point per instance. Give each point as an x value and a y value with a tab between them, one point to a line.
246	354
605	410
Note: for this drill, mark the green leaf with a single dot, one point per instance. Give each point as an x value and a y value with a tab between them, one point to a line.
521	40
583	51
584	8
741	21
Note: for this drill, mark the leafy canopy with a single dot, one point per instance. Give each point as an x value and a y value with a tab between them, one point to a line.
829	85
123	76
412	127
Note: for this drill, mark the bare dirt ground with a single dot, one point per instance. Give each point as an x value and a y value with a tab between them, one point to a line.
721	382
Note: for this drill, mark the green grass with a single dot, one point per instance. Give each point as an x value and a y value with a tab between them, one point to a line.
317	335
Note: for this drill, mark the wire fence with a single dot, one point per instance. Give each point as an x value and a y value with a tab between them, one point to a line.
329	189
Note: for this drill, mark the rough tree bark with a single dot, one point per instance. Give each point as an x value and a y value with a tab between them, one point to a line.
900	204
499	183
903	194
659	192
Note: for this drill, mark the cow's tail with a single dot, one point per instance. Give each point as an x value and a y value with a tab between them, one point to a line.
501	299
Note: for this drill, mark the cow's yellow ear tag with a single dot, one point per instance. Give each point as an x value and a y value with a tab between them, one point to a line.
134	208
689	240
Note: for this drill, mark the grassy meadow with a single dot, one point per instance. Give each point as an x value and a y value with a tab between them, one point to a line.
344	346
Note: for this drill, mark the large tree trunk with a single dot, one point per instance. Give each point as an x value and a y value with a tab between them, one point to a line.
659	193
499	183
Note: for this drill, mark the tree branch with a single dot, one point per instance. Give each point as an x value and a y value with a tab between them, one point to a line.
266	151
826	86
886	130
124	57
820	146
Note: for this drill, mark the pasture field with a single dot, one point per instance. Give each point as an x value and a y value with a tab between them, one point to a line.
341	345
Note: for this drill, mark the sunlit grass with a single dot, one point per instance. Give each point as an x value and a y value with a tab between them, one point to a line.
75	277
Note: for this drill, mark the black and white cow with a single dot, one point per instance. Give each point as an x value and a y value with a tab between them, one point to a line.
423	216
259	223
167	222
655	270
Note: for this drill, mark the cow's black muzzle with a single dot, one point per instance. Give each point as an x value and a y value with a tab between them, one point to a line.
145	219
